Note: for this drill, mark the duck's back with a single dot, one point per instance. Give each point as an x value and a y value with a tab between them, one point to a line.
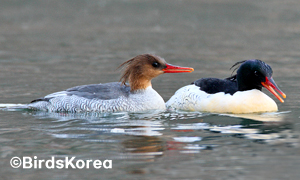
215	85
109	97
85	97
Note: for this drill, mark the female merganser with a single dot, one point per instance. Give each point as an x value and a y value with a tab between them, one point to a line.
137	95
240	93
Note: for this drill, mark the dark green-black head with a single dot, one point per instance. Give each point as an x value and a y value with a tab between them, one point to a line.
255	74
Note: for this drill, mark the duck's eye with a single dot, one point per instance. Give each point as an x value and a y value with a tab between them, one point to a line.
155	64
255	73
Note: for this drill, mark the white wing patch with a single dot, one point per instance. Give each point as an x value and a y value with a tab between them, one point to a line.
56	94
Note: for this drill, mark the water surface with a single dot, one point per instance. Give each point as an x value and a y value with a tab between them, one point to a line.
51	46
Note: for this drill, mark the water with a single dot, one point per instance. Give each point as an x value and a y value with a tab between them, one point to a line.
50	46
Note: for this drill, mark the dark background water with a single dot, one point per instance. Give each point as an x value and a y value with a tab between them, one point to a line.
47	46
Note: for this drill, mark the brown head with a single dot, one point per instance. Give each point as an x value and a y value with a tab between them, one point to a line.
140	70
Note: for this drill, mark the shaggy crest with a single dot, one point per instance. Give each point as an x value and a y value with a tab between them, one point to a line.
134	71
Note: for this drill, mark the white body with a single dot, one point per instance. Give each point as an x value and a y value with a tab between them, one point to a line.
141	100
191	98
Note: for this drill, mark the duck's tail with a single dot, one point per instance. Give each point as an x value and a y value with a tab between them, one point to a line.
13	107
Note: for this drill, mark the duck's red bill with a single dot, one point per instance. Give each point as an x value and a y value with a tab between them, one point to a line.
271	86
177	69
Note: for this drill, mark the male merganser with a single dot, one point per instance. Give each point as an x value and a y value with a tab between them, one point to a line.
240	93
138	95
